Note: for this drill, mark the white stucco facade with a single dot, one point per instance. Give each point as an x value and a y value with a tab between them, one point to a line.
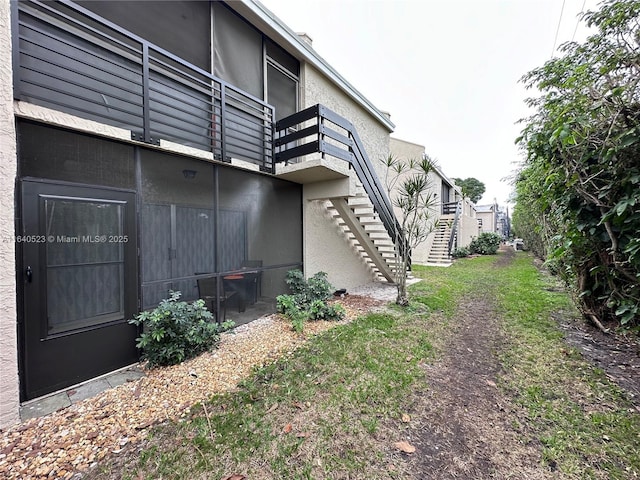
9	384
316	88
488	215
467	222
326	248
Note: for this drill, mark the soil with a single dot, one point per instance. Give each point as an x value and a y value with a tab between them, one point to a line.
461	428
617	354
70	441
463	425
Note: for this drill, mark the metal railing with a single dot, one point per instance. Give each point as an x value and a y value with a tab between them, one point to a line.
71	60
320	130
454	226
449	208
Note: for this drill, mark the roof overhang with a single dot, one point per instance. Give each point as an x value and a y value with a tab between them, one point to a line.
266	21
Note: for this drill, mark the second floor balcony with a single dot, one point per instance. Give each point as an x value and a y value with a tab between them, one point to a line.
68	59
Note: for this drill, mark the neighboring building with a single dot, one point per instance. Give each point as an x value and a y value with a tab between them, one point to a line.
456	217
504	224
487	218
147	145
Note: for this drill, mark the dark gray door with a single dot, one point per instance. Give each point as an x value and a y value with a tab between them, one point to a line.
79	279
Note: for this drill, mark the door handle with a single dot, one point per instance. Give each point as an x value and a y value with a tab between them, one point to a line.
29	274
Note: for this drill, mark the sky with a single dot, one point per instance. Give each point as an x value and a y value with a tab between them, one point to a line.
447	71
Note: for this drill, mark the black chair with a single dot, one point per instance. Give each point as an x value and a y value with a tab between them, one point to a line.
207	291
256	281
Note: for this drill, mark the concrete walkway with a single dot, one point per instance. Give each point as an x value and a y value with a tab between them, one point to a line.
65	398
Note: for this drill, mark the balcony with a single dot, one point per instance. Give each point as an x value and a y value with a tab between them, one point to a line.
70	60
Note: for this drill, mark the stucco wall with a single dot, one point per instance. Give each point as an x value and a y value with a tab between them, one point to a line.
316	88
325	248
9	389
468	230
328	250
488	221
404	150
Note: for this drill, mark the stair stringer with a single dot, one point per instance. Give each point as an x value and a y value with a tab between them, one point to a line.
375	244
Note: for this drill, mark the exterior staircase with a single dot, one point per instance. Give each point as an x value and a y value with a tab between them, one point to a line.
357	219
362	209
439	252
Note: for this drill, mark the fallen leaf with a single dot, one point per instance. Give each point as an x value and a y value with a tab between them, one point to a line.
406	418
491	383
272	408
405	447
235	476
303	434
287	428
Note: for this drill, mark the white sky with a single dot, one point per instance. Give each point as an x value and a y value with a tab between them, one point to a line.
446	70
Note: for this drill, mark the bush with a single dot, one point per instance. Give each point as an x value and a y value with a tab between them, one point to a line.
320	310
308	300
461	252
175	331
486	244
306	292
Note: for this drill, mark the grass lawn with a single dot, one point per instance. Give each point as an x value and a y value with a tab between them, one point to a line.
335	407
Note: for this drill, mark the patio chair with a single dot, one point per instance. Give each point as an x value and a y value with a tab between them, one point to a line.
207	291
256	286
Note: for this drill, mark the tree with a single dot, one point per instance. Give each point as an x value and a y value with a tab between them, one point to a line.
472	188
408	184
578	192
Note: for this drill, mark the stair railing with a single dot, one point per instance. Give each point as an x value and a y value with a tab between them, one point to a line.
454	227
315	132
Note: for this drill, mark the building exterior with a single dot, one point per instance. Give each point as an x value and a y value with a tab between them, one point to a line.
455	216
148	145
488	218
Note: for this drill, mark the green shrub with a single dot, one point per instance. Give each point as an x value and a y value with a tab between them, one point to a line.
175	331
287	304
308	299
320	310
308	291
461	252
486	244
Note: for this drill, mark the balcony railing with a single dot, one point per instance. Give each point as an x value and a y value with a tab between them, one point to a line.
71	60
320	130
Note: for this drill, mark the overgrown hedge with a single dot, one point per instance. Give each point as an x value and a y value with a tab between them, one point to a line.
578	193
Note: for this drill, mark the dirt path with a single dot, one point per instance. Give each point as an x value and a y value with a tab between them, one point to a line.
463	426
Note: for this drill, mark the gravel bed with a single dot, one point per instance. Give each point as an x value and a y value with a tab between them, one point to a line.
65	443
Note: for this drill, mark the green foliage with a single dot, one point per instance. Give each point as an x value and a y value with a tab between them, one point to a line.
175	331
320	310
578	191
486	244
308	300
306	292
472	188
411	191
461	252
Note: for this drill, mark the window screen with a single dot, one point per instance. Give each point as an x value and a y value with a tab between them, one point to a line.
237	55
282	92
180	27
